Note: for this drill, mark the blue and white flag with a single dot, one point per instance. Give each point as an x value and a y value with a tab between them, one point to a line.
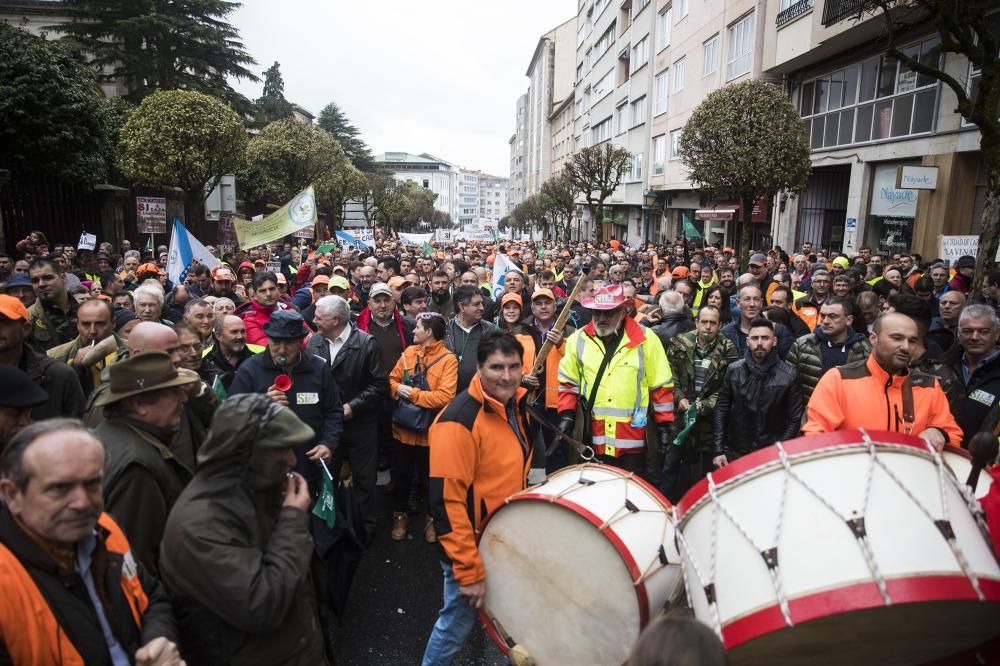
360	238
501	266
184	249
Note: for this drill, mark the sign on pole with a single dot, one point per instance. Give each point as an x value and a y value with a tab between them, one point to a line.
151	215
953	247
226	232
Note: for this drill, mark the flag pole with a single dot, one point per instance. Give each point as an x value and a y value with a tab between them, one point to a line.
326	469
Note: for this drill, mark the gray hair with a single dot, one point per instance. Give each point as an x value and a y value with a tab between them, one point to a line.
222	300
334	306
130	254
980	311
671	302
12	463
196	303
150	291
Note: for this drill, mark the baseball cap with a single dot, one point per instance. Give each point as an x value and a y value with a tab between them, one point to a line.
511	298
758	259
338	282
966	261
222	274
12	308
543	293
380	288
321	279
339	268
398	282
680	272
17	280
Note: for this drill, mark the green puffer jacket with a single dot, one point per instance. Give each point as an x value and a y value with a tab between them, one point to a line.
681	355
806	357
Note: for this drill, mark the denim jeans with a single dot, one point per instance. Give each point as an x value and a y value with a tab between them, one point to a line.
455	621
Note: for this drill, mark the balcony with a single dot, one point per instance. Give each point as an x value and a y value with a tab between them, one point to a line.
836	11
794	11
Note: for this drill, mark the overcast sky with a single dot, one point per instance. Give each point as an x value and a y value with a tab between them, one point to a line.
438	76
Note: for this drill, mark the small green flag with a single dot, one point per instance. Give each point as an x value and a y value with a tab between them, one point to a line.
428	249
541	250
324	508
690	230
149	244
324	248
219	388
690	417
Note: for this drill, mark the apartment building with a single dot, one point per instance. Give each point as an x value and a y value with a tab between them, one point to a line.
492	198
699	46
442	178
468	197
518	146
614	91
867	115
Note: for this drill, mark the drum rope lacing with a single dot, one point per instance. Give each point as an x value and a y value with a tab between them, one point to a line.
630	508
856	525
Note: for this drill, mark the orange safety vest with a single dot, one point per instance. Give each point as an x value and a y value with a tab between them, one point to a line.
28	628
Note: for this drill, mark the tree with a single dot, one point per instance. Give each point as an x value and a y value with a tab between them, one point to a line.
335	121
54	119
335	190
595	172
532	212
970	28
289	156
560	203
272	105
746	141
383	201
419	208
182	139
162	44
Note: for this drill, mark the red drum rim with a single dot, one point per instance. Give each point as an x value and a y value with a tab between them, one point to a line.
857	597
948	448
795	446
642	598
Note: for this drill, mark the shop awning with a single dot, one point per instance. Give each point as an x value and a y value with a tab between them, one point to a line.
715	214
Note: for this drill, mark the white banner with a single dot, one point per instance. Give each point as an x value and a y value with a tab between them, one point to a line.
415	239
953	247
444	235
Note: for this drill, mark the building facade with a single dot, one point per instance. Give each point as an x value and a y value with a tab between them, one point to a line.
866	115
492	198
518	157
468	197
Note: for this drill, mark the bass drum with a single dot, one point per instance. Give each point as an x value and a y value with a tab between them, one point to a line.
576	566
846	548
960	463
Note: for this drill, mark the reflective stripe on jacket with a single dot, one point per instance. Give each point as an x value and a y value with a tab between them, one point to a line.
29	630
637	376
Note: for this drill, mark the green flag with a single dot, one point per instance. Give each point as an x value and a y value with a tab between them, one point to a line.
690	417
219	388
689	229
541	250
149	244
428	249
324	248
324	508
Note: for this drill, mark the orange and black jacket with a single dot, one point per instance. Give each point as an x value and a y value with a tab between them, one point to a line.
480	456
47	617
864	395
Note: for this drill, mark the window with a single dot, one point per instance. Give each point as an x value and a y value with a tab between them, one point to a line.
662	83
675	144
682	9
603	87
636	173
640	54
659	154
601	131
679	75
623	121
605	41
579	73
663	28
588	63
638	111
586	100
879	98
711	55
740	48
638	6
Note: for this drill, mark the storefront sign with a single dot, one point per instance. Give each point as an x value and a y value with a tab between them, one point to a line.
889	200
953	247
916	178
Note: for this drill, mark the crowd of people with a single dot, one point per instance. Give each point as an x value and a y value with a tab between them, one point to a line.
164	446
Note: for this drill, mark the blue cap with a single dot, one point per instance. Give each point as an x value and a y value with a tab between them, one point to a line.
17	280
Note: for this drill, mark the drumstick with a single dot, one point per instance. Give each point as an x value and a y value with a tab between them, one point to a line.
983	448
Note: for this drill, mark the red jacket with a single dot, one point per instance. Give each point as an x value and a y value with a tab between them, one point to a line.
255	316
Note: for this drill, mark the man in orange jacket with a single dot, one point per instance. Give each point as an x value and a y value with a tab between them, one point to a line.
480	455
870	394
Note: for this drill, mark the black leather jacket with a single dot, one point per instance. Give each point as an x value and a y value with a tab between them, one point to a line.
756	409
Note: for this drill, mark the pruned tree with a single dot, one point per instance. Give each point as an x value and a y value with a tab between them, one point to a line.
560	203
419	208
746	141
383	201
54	119
335	190
532	212
184	139
335	121
162	45
969	28
595	173
289	156
272	105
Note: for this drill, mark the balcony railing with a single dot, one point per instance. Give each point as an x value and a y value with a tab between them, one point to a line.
793	12
837	10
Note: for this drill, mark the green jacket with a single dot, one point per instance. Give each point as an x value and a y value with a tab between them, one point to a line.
681	355
807	358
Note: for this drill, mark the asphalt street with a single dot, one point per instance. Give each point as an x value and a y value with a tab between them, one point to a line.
394	602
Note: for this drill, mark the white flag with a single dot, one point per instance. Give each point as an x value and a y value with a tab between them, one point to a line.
185	248
501	266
